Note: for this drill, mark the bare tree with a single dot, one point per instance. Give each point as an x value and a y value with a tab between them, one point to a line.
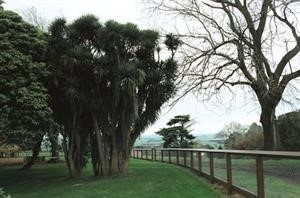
248	43
31	15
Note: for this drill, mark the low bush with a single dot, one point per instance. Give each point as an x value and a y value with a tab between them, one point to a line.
3	194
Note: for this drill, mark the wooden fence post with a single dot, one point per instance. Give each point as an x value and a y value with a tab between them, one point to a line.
260	177
146	154
192	160
136	154
229	173
184	158
162	155
199	162
133	153
177	157
211	165
154	154
169	156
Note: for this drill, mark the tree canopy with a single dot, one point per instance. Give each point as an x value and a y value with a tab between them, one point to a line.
177	135
244	137
288	128
233	127
106	88
24	102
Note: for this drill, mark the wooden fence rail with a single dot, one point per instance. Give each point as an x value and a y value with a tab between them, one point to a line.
189	158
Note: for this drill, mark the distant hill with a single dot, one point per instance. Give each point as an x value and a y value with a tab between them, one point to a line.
205	136
145	140
209	139
154	140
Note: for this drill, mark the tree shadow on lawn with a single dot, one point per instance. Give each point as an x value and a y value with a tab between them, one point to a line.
41	175
145	179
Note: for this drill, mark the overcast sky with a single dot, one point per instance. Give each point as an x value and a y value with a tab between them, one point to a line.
208	117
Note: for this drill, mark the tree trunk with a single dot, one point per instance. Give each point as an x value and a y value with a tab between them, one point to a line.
102	152
124	166
114	161
124	162
74	171
65	149
73	160
104	164
114	167
35	153
94	155
271	136
73	150
54	148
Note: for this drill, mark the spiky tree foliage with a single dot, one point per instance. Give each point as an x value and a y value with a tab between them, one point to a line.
25	114
69	62
173	42
106	86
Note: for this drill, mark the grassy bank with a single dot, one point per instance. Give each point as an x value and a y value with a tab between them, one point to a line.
145	179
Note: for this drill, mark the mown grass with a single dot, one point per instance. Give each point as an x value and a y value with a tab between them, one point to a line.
243	172
145	179
275	186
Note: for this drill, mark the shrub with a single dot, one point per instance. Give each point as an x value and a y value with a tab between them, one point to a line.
3	194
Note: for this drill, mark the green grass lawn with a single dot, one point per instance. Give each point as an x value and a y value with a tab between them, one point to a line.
243	171
274	187
145	179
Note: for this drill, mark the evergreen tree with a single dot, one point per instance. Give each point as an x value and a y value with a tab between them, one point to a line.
289	127
177	135
25	114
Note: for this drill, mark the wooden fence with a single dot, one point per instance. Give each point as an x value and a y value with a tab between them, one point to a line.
194	159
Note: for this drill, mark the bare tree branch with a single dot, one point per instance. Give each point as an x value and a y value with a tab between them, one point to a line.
231	42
